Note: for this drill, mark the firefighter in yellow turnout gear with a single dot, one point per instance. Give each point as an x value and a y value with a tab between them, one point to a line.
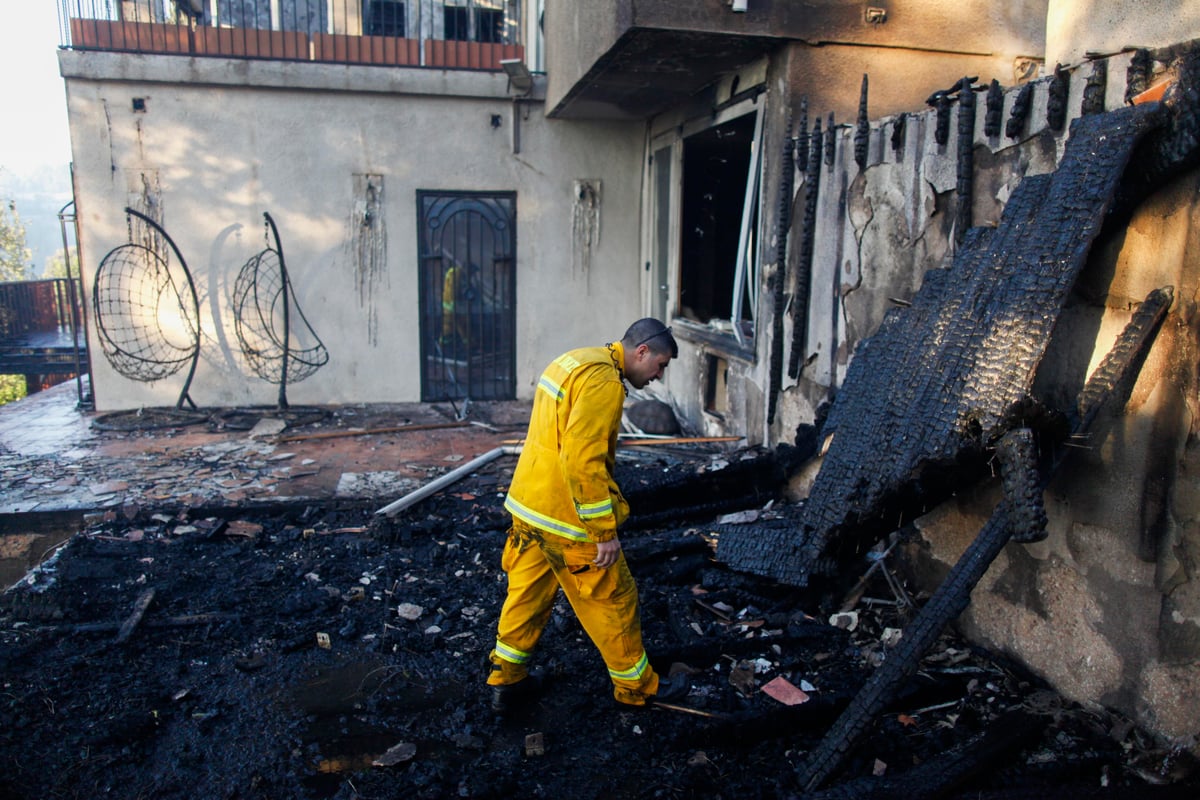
566	509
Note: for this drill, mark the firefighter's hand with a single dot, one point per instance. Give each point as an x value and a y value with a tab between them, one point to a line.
607	552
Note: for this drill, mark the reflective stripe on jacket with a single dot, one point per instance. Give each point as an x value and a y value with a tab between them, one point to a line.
564	483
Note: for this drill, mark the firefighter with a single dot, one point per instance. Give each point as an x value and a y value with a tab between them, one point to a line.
566	508
458	290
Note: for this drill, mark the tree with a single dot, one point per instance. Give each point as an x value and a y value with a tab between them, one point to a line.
14	255
56	266
14	266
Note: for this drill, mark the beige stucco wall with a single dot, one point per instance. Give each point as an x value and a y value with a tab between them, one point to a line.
220	142
1075	28
966	31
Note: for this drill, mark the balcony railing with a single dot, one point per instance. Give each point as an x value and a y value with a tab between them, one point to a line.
454	34
38	328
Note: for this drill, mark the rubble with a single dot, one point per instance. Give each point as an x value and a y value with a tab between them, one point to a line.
297	662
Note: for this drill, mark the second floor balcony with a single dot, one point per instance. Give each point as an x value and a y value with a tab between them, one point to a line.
455	34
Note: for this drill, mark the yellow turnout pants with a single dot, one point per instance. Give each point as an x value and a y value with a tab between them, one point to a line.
538	564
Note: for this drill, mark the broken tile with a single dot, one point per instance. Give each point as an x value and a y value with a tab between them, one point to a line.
741	677
248	530
785	691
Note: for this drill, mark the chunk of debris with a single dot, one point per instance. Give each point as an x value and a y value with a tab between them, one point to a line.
396	754
653	417
846	620
409	611
266	427
535	744
739	517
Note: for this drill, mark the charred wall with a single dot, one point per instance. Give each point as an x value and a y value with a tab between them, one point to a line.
1107	608
1116	578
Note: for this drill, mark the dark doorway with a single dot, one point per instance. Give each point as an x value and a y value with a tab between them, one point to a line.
715	162
467	251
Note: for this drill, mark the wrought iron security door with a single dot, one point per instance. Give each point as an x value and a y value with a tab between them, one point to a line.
467	251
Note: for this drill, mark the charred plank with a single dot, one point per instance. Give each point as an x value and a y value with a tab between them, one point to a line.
952	596
954	769
930	393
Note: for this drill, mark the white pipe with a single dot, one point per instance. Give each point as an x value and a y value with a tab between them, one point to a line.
453	476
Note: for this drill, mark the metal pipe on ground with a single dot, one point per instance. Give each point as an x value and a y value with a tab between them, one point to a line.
455	475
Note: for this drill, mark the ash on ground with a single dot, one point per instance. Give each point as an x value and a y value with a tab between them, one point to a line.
330	653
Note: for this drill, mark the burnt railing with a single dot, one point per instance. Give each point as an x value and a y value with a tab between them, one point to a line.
37	333
467	34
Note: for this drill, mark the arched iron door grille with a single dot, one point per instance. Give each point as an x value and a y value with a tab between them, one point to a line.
467	252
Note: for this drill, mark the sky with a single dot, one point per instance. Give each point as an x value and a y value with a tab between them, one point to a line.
33	133
35	146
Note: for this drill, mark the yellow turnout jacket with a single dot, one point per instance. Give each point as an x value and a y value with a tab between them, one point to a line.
564	482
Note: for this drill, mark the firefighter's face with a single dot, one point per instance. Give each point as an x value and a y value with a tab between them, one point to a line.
645	366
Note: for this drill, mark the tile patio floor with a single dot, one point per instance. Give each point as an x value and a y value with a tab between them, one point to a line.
56	464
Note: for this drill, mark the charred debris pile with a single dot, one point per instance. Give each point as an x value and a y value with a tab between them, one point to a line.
321	653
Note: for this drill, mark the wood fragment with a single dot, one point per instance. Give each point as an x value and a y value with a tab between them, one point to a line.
713	609
688	710
139	611
300	437
167	622
677	440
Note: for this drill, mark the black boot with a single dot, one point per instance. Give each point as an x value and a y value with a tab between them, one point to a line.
676	687
512	696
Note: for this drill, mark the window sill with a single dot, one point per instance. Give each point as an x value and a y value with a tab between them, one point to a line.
714	340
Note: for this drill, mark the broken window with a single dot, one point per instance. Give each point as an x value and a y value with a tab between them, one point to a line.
716	389
384	18
718	217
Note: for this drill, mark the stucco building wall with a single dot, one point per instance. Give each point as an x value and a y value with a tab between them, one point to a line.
1077	28
219	142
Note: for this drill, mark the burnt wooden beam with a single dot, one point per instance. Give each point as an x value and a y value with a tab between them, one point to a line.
139	610
952	770
1108	384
